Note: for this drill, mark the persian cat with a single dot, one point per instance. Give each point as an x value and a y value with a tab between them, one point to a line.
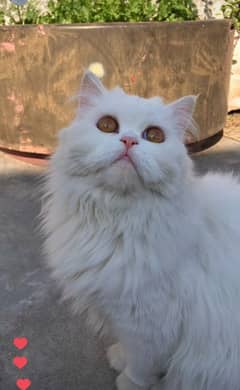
145	247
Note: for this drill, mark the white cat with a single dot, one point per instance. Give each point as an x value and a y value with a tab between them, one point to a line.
145	246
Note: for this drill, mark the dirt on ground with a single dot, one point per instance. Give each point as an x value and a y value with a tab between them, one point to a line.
232	127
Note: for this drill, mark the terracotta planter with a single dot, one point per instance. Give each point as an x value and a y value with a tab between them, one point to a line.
41	67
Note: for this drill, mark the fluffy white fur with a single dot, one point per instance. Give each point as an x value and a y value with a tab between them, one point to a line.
151	251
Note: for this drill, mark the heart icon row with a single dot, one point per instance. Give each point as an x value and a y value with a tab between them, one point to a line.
20	362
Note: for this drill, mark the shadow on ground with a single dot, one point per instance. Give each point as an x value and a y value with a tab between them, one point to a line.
63	354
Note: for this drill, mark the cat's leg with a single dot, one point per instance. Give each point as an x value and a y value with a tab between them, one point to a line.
115	355
139	372
125	383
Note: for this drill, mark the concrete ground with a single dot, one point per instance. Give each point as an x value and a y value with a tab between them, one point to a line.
63	354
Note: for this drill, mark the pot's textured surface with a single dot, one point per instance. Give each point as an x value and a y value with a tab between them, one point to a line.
208	9
41	67
234	93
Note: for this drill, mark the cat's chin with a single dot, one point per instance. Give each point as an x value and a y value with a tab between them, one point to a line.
125	159
126	162
121	176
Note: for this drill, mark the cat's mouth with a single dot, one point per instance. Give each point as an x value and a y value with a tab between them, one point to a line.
125	157
127	161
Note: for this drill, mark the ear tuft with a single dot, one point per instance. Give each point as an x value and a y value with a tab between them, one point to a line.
182	110
90	88
91	84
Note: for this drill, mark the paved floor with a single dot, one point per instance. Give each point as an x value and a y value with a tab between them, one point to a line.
232	126
62	353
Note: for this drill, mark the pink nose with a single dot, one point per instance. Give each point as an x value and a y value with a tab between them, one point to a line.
129	141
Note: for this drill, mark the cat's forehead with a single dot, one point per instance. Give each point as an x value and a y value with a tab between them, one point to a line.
130	107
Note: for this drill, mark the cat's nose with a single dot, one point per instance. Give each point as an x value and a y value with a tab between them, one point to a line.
129	141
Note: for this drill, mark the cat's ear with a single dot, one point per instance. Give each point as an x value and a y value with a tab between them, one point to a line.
90	88
182	111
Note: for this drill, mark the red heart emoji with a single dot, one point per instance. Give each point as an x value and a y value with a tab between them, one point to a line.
23	383
20	342
20	361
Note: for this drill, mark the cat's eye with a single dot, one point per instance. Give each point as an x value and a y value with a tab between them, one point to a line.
154	134
107	124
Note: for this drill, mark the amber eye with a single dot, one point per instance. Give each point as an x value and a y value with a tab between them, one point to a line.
107	124
154	134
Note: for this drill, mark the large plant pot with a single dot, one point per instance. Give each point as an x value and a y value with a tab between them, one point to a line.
41	67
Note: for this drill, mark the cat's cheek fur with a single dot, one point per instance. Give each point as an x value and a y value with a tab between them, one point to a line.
165	170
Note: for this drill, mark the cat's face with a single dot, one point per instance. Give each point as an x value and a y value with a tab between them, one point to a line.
124	143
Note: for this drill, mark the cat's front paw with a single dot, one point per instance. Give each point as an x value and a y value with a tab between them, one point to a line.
124	383
116	358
